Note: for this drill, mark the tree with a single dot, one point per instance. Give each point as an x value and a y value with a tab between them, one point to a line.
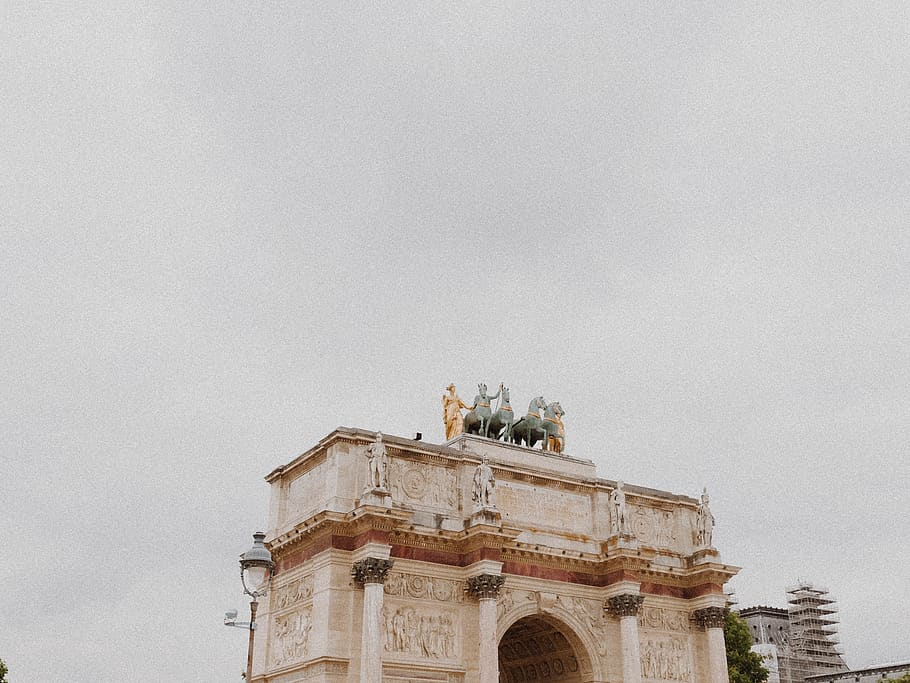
3	671
744	665
903	679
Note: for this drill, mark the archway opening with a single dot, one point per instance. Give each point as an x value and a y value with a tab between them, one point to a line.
537	649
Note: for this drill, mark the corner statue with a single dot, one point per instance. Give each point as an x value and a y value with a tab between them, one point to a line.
379	461
451	412
704	521
484	485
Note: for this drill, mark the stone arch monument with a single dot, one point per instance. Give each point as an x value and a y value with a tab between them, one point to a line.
482	561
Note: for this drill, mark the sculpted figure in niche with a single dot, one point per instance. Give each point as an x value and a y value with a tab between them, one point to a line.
619	518
379	462
451	412
484	485
704	521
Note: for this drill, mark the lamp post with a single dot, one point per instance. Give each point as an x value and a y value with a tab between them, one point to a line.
256	568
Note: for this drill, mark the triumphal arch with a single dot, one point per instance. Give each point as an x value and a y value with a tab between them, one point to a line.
402	561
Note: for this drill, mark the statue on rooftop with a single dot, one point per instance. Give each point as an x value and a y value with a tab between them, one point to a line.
452	406
478	420
379	461
704	521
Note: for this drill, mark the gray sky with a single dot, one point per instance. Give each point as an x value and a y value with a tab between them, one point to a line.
228	229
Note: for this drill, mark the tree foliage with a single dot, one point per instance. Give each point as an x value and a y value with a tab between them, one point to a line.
903	679
744	665
3	672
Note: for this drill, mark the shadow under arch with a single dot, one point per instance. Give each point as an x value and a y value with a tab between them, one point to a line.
545	645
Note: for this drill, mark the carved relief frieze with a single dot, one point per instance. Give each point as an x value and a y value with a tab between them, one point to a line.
655	527
591	614
550	668
663	619
423	484
510	598
418	632
666	659
290	637
424	587
292	593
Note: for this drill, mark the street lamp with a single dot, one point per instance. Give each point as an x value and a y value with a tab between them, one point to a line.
256	569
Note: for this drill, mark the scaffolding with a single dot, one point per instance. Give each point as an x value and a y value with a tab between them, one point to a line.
814	644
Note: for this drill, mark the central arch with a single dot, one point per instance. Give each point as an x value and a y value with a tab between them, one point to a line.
540	647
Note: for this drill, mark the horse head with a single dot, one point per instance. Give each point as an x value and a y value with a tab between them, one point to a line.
505	396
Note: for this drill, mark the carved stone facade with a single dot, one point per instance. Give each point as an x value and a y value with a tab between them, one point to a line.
421	588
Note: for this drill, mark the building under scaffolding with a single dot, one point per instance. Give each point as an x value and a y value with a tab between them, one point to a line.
798	641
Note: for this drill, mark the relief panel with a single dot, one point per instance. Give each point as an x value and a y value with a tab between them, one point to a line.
419	632
291	593
663	619
289	638
666	659
424	587
550	508
656	527
420	484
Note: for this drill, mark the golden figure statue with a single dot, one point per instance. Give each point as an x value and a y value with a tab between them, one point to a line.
556	445
451	412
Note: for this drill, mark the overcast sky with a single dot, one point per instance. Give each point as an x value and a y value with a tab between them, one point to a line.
230	228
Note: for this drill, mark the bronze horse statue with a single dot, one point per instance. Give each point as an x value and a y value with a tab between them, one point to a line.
528	428
550	424
477	421
501	421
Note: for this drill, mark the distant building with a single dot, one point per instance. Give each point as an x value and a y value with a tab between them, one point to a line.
871	674
800	641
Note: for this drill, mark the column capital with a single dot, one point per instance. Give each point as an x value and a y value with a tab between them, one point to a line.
371	570
710	617
626	605
484	585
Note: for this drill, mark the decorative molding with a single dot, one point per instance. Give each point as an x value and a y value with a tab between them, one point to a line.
626	605
710	617
430	634
662	619
484	586
424	587
371	570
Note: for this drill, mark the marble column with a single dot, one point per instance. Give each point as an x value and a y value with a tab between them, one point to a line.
626	608
712	620
371	574
485	588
